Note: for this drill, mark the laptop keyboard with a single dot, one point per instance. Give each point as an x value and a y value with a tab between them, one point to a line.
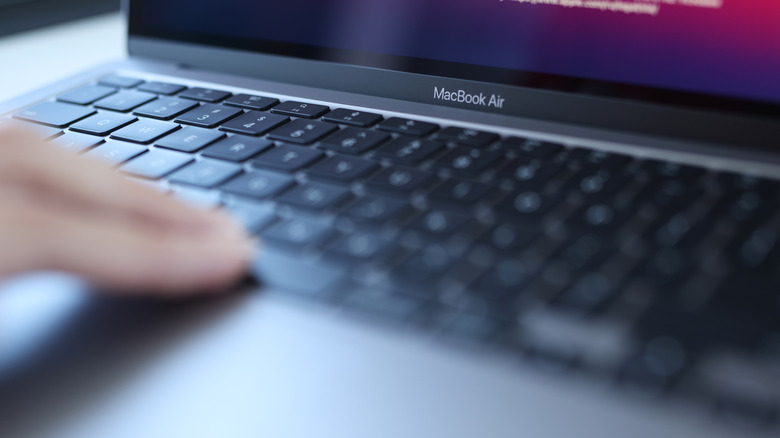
660	277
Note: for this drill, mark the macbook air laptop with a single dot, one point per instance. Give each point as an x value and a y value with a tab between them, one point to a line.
480	219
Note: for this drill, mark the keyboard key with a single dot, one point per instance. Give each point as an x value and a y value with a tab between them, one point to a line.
284	272
75	142
161	88
349	117
246	101
400	180
209	115
103	123
600	159
254	123
117	81
204	94
409	150
237	148
532	148
425	268
377	210
441	223
300	109
302	131
115	153
526	204
259	184
190	139
354	141
124	101
510	237
206	173
597	182
406	126
460	192
287	158
86	95
254	216
465	136
667	169
532	173
55	114
145	131
342	168
156	164
315	196
297	233
468	161
359	246
599	216
166	108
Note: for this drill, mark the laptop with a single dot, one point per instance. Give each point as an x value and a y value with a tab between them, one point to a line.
479	219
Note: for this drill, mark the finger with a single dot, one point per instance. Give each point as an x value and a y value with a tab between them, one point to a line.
123	255
68	177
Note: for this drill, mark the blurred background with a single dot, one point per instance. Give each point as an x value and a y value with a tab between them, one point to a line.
45	40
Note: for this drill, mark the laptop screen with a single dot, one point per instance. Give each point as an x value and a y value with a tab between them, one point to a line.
677	50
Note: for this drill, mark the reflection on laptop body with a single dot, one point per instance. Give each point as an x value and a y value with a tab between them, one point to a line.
499	191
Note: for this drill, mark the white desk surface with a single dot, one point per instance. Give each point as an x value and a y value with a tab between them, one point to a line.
32	59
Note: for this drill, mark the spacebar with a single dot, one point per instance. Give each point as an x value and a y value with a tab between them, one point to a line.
290	273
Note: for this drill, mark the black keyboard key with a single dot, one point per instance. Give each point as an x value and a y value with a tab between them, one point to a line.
75	142
598	182
313	196
588	294
281	271
359	246
302	131
237	148
103	123
190	139
400	180
468	161
259	184
117	81
287	158
527	204
406	126
204	94
246	101
297	233
354	140
156	164
504	281
376	210
145	131
532	148
748	182
56	114
460	192
208	115
510	238
599	159
424	268
206	173
342	168
352	117
667	169
603	217
254	123
115	153
532	173
253	216
409	150
166	108
440	223
124	101
669	193
467	137
86	95
300	109
161	88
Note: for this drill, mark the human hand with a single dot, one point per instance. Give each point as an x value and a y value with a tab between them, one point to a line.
59	211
